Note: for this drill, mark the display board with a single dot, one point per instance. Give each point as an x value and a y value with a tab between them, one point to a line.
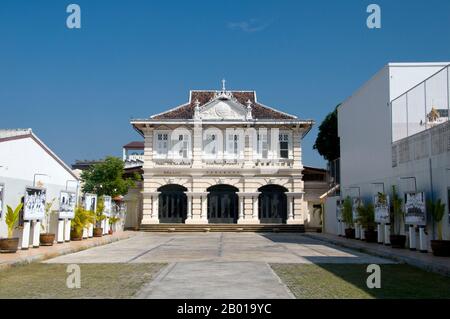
415	209
356	202
107	210
381	205
34	203
2	194
90	202
67	202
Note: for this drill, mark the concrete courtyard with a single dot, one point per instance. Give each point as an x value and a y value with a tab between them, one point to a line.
218	265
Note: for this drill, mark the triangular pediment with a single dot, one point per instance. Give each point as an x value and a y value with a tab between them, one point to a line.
223	109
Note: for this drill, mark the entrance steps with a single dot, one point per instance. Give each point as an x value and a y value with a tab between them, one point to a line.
232	228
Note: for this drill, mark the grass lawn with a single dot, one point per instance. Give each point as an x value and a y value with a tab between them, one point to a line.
343	281
97	280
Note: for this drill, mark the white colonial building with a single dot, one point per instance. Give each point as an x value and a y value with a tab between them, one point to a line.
223	157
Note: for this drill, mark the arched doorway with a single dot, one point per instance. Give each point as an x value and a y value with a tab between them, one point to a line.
172	206
272	204
223	204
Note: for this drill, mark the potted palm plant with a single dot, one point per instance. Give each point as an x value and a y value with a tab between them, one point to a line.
112	221
10	244
347	217
397	240
440	247
99	217
46	238
79	222
366	217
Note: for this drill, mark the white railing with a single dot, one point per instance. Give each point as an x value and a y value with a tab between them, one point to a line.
422	107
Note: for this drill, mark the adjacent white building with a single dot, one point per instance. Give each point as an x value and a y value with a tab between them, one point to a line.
25	161
223	157
394	130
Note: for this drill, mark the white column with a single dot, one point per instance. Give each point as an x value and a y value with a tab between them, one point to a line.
36	233
204	212
60	233
338	230
241	218
189	207
387	234
85	232
422	240
343	229
357	232
255	207
67	230
412	237
290	208
26	234
380	233
361	233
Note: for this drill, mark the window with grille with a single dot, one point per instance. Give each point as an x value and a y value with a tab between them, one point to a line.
284	145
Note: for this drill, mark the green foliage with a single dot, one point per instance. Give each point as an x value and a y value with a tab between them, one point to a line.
327	142
99	216
82	219
437	210
366	216
113	220
397	210
106	178
11	218
347	214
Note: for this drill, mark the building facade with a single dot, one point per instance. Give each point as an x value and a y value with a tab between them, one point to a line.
394	131
223	157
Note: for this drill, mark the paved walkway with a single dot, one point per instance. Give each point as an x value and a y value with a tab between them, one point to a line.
218	265
43	253
426	261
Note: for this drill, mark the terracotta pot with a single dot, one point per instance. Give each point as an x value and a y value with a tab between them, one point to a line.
110	232
9	245
47	239
371	236
350	233
441	248
398	241
76	235
98	232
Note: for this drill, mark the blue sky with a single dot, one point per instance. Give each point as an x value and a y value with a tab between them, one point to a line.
78	89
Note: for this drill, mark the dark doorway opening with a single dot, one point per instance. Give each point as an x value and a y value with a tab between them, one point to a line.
172	204
223	204
272	204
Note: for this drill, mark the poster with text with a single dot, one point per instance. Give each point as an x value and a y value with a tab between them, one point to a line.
90	202
108	205
356	202
381	206
2	191
67	202
415	209
34	203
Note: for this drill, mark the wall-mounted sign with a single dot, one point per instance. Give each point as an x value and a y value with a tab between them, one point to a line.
34	203
90	202
415	209
107	200
339	204
67	202
356	202
2	192
381	205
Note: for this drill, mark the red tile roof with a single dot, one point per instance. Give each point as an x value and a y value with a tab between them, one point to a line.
186	111
136	145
